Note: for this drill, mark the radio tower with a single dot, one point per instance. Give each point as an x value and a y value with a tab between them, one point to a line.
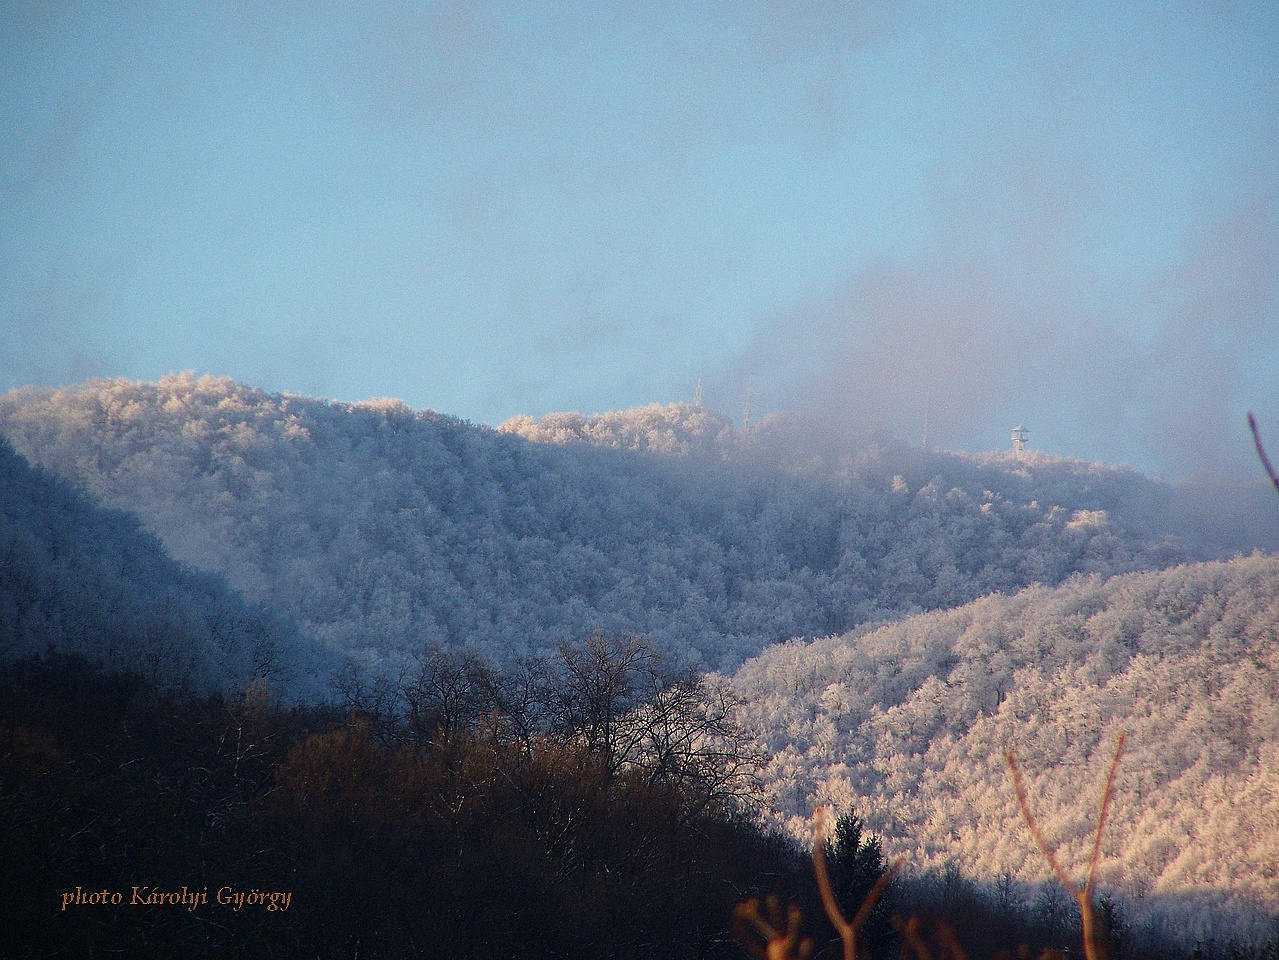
1020	436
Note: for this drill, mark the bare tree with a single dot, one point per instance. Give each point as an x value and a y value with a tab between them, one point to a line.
686	734
374	700
613	695
595	685
445	691
608	697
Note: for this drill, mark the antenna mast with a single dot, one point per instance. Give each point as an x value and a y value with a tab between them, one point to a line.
750	394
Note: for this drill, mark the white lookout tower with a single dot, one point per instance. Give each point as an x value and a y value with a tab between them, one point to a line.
1020	436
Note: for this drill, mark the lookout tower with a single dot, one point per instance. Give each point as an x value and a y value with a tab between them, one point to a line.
1020	436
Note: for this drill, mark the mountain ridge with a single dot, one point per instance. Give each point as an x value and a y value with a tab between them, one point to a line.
381	528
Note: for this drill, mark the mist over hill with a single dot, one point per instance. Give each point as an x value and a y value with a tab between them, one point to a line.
1208	514
77	578
381	529
908	724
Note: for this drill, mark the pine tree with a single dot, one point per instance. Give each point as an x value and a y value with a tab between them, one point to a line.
856	863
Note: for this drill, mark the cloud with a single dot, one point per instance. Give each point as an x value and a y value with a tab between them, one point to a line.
998	322
1218	311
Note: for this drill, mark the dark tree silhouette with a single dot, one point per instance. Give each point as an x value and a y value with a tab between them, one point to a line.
856	862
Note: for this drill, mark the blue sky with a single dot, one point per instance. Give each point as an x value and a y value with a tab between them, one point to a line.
1061	215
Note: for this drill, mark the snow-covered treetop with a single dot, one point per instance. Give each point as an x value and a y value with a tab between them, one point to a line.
675	428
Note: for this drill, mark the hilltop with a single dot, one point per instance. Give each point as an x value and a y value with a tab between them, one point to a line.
380	528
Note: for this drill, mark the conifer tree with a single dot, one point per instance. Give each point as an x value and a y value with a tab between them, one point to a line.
856	862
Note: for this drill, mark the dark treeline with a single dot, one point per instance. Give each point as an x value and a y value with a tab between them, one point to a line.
437	826
609	698
996	919
479	839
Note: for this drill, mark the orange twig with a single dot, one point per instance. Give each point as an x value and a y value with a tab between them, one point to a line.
1032	823
943	935
1094	944
909	929
1261	451
779	932
1104	811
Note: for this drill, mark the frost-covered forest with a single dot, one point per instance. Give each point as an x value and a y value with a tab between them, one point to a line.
381	529
82	579
889	619
909	723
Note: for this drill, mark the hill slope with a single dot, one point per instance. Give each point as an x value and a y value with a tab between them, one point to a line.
380	528
908	724
77	578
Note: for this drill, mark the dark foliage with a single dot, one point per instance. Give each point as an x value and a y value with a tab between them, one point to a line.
486	839
856	862
474	844
996	921
608	699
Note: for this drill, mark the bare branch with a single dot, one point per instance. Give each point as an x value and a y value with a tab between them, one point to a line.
1261	451
1094	939
1103	811
1033	824
779	931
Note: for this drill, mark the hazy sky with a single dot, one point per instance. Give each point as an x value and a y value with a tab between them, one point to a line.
1060	215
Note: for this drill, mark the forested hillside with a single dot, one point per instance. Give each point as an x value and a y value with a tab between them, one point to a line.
969	604
382	529
77	578
908	724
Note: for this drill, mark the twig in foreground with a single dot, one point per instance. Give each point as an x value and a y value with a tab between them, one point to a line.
1261	451
1094	939
847	931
